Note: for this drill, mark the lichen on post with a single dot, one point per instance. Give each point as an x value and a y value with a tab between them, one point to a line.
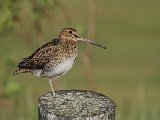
76	105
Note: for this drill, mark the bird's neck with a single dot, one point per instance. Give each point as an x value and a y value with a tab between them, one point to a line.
70	47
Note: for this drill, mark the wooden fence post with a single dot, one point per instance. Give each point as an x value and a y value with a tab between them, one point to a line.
76	105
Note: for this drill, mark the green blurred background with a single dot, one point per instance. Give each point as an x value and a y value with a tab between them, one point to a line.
128	71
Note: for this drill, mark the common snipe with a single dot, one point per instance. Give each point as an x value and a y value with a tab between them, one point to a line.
54	58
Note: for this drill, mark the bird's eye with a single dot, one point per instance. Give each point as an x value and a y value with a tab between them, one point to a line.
76	35
70	32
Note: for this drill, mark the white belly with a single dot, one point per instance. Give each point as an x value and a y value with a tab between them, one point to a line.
62	68
57	71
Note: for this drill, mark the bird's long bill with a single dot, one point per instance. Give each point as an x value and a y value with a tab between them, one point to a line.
91	42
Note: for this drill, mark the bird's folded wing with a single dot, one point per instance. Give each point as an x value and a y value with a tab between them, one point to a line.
40	57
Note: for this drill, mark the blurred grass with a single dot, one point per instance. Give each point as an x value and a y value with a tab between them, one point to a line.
128	72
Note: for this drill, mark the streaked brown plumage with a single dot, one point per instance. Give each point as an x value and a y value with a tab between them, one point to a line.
54	58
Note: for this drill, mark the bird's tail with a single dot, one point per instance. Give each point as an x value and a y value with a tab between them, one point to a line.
18	71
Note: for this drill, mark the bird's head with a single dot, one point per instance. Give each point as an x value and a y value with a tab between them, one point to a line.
71	34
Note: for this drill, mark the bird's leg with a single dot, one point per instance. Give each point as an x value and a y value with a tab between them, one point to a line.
50	82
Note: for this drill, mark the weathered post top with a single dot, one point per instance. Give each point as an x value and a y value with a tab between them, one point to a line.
76	105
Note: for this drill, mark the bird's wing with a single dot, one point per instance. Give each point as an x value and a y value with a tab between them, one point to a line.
40	57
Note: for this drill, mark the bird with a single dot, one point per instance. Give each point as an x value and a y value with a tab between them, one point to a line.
55	58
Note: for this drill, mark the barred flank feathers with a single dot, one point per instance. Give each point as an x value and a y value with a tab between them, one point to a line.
18	71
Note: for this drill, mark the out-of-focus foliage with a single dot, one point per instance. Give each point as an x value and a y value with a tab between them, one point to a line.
9	12
12	89
39	11
40	8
